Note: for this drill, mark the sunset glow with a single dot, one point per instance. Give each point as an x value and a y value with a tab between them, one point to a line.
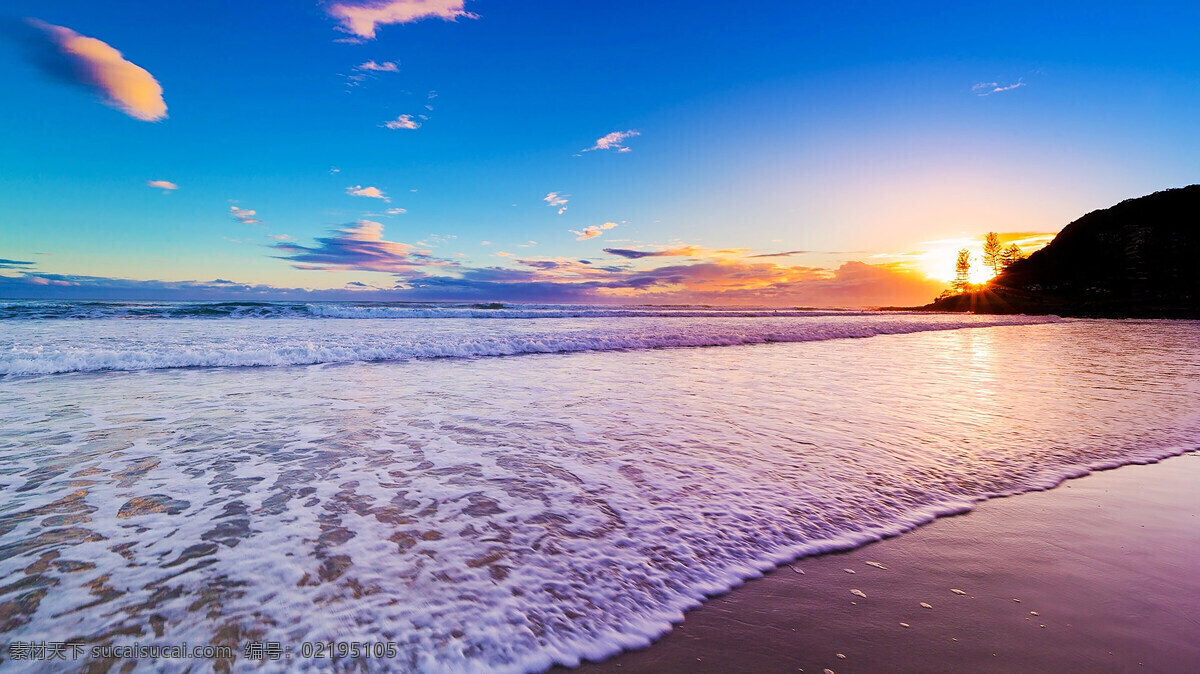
539	174
428	336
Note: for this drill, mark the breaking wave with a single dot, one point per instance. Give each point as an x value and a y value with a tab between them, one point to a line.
120	345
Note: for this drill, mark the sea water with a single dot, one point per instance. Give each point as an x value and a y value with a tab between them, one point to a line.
503	489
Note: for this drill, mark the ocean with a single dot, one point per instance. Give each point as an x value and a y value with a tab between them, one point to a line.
504	488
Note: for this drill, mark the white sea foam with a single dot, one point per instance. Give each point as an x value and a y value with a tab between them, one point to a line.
507	514
48	347
17	310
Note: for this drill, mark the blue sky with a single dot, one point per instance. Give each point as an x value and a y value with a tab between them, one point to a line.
871	137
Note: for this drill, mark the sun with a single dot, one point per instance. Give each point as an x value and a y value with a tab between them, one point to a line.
938	262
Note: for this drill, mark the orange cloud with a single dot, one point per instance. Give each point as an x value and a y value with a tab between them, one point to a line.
556	200
362	19
370	192
125	85
853	284
592	231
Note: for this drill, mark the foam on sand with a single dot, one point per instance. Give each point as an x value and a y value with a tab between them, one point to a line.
506	514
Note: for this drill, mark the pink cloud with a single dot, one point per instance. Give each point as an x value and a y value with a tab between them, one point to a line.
244	215
556	200
613	141
39	281
124	85
369	192
363	18
361	246
162	184
403	122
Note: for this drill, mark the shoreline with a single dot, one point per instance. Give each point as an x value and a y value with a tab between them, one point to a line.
1105	561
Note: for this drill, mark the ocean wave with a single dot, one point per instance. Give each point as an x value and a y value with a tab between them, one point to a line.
29	310
511	515
121	348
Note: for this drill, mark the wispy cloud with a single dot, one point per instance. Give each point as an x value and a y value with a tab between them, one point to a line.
613	141
49	280
628	253
361	19
369	192
396	211
246	216
989	88
14	264
123	84
166	185
556	200
592	231
678	251
360	246
403	122
368	70
789	253
281	237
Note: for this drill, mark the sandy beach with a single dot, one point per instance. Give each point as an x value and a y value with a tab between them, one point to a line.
1096	575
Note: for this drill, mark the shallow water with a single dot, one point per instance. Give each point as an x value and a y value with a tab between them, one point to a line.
44	346
509	513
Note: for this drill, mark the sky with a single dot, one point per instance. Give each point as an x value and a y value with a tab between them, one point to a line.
774	153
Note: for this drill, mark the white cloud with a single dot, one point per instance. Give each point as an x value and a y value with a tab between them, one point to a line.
556	200
363	18
989	88
613	141
280	237
246	216
396	211
403	122
385	67
369	192
592	231
162	184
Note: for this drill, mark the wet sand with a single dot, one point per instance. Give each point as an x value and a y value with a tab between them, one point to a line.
1106	569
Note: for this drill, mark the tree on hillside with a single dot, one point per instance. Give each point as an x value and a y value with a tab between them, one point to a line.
1010	255
962	270
993	252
